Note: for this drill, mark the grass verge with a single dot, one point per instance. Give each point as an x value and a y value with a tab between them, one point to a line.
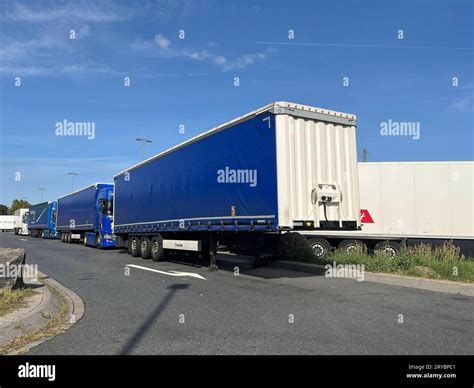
11	300
442	262
54	326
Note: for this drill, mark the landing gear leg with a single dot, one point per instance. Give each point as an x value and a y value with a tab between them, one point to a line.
212	254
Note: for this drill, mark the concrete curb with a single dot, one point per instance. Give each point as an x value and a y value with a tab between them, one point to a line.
296	266
75	310
76	307
37	304
445	286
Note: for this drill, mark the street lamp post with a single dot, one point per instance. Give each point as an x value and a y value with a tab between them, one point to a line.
42	189
143	140
72	176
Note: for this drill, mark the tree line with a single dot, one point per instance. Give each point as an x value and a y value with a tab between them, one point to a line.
16	204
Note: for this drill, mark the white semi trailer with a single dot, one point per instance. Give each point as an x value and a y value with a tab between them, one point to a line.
7	223
408	203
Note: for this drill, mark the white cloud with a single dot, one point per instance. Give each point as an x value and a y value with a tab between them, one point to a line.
162	42
463	104
220	60
224	63
242	61
199	56
42	45
79	12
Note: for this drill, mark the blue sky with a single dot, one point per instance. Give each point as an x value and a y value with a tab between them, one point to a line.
189	81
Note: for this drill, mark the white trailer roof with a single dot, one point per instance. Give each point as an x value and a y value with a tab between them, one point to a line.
278	107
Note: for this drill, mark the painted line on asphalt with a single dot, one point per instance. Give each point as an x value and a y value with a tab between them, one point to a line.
170	273
23	239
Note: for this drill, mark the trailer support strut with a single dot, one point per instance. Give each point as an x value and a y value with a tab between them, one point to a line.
212	254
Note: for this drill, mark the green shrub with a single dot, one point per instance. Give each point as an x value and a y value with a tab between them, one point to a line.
442	262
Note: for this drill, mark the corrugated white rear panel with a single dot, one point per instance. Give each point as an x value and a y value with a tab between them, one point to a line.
312	152
426	199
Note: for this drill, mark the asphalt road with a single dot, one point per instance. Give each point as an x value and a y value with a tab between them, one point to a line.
148	312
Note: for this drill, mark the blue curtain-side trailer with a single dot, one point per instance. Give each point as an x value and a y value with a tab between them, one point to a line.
42	220
86	215
281	168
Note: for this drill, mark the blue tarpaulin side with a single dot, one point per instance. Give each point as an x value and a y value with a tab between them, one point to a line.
224	181
38	216
79	208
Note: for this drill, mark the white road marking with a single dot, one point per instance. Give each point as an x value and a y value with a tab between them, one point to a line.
23	239
170	273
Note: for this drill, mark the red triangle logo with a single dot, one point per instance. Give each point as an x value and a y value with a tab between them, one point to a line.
365	217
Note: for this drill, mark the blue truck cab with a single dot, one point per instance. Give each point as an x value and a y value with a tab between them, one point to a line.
42	220
86	215
101	237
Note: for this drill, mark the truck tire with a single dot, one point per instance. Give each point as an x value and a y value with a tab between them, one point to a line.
68	238
349	246
157	251
84	239
145	248
320	247
135	246
388	248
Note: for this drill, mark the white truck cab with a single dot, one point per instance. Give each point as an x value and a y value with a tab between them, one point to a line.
21	222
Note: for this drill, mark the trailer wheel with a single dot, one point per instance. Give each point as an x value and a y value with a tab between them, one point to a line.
135	246
388	248
145	248
320	247
68	238
157	251
352	246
